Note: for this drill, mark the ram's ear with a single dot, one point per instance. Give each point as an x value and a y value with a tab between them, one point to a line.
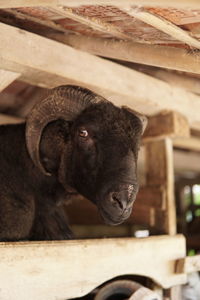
52	144
132	113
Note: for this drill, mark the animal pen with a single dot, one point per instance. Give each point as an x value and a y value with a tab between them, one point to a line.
143	54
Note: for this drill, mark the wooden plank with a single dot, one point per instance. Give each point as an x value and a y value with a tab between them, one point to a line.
186	162
153	55
6	119
167	123
164	26
6	78
189	83
68	269
48	63
192	143
101	231
175	293
194	4
160	170
188	264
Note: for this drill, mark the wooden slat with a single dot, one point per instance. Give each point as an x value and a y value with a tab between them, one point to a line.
160	170
6	119
194	4
192	143
188	264
47	63
189	83
164	26
186	162
159	56
167	123
6	78
68	269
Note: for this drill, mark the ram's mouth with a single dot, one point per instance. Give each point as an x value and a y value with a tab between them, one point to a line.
113	220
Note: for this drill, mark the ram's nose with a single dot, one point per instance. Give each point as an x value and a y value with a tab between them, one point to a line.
119	199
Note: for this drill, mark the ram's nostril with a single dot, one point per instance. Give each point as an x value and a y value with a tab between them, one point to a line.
116	199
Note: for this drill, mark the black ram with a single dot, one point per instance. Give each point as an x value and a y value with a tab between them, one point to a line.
74	141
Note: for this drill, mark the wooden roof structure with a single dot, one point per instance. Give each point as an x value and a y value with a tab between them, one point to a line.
140	53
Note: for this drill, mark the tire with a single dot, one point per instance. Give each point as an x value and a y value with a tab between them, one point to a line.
125	289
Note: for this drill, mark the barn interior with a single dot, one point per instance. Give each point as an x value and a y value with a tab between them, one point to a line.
139	53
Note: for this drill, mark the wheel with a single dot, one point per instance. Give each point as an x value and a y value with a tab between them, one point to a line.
125	289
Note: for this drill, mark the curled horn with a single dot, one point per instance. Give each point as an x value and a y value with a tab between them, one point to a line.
64	102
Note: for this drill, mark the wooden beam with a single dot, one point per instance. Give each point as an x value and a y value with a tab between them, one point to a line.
167	123
189	83
160	171
6	119
153	55
6	78
191	143
192	4
164	26
41	269
186	162
48	63
189	264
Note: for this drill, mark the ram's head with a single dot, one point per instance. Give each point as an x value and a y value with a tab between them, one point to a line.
90	145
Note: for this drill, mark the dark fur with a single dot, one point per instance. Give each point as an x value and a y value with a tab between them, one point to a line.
31	204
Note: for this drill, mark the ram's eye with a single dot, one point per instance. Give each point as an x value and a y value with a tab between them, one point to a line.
83	133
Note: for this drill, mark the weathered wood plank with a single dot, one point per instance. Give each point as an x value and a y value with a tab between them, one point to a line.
68	269
153	55
6	78
192	143
188	264
160	170
157	3
189	83
167	123
47	63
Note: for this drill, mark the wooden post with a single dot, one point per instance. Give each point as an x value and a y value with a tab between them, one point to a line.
6	78
159	168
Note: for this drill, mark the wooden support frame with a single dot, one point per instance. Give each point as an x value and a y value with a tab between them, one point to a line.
153	55
68	269
188	264
192	4
6	78
167	123
159	168
48	63
189	83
